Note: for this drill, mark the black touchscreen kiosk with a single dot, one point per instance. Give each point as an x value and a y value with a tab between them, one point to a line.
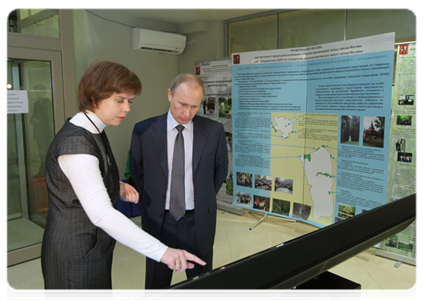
294	262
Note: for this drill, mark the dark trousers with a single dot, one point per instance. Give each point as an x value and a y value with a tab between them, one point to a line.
180	235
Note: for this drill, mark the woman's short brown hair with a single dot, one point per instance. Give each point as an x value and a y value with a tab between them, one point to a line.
102	79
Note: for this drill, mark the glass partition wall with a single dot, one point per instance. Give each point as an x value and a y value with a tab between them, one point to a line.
253	34
39	22
302	28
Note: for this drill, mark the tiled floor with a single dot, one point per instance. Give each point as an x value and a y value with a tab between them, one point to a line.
234	240
21	232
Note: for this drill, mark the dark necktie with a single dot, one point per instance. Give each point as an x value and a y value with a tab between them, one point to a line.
177	186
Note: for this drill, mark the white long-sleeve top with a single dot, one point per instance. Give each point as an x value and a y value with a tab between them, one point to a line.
92	194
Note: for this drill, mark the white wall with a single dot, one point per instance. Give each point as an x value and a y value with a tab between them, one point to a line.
204	42
96	38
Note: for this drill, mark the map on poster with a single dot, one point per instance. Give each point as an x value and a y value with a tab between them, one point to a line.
310	165
311	129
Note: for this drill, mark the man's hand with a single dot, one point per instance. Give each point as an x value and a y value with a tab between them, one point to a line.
128	193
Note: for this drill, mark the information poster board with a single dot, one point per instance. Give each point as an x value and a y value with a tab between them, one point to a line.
217	105
402	162
311	129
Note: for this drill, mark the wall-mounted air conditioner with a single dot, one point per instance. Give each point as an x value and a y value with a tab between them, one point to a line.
158	41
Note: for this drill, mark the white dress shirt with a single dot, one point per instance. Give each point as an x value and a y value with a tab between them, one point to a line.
92	194
188	134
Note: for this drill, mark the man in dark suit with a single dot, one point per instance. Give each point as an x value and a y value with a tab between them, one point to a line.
170	162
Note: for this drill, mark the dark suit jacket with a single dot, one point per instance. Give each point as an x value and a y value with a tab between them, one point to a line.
149	170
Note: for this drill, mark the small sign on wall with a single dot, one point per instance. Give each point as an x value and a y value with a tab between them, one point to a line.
17	102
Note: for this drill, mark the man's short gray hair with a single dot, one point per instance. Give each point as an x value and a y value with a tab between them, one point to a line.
186	78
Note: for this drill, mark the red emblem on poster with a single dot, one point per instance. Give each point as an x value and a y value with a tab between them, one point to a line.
403	49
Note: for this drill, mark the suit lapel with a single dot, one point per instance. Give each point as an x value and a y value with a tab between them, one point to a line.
200	138
160	142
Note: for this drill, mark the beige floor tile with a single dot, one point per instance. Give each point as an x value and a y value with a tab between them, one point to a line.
26	275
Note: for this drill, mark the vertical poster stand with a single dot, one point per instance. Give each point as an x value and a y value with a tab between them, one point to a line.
402	166
217	105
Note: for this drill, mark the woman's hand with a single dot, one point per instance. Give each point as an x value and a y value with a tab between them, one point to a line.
178	260
128	193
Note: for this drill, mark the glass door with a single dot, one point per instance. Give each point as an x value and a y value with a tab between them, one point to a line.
36	76
29	135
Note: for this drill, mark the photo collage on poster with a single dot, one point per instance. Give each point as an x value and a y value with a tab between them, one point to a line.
257	183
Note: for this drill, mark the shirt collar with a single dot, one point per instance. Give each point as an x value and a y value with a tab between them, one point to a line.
80	119
100	125
172	123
